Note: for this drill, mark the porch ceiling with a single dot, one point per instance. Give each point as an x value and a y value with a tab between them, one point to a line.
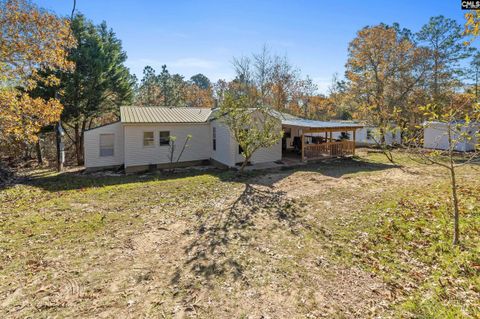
321	126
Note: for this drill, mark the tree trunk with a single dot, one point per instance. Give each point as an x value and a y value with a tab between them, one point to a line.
79	134
76	129
456	215
82	135
38	148
453	185
59	151
476	84
244	164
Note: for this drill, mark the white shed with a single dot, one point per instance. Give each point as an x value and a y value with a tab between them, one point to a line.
465	136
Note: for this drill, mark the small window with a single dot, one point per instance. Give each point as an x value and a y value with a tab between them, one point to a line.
148	140
214	136
164	138
107	142
240	149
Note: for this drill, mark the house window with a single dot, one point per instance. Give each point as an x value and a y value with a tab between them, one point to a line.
148	140
214	137
164	138
106	144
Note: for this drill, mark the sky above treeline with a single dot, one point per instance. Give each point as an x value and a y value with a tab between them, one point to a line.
202	36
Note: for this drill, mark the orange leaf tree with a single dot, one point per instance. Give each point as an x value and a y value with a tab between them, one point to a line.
472	24
383	69
32	41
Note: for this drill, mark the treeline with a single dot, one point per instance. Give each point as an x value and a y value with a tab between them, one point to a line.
287	89
167	89
74	71
393	73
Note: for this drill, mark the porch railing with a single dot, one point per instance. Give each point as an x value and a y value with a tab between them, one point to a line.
329	149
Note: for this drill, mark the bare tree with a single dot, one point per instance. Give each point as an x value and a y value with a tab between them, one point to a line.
460	123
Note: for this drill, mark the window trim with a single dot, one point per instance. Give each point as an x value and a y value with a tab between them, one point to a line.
160	138
153	140
100	145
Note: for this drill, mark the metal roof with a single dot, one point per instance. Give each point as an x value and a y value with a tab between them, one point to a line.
157	114
284	116
319	124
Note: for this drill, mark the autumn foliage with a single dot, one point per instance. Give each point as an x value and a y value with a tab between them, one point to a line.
32	41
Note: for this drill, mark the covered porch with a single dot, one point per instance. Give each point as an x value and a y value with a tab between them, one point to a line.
311	140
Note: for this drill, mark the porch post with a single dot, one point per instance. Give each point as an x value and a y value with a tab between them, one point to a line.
303	146
331	138
354	144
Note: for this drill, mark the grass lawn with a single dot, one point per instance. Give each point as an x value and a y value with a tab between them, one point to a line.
354	238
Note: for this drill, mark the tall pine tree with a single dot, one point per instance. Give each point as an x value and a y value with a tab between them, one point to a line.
100	82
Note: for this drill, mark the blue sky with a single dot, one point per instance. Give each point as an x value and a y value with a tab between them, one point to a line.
203	36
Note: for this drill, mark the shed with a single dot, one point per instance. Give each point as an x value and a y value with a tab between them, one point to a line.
465	136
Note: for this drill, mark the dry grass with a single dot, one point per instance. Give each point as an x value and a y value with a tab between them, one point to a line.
208	244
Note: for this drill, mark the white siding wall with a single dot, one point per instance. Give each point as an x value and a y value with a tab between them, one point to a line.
361	136
224	153
436	137
198	148
92	146
227	148
271	154
262	155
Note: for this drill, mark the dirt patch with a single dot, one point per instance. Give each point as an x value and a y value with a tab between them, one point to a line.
206	245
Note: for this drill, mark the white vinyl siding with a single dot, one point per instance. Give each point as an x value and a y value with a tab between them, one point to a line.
370	135
436	137
262	155
107	145
224	152
271	154
92	146
198	147
228	149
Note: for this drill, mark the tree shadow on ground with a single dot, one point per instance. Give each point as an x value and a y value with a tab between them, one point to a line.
219	236
334	168
77	180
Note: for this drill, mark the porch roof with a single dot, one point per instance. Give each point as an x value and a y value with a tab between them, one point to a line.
313	125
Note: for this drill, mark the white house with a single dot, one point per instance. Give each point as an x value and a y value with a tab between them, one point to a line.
370	135
464	136
140	140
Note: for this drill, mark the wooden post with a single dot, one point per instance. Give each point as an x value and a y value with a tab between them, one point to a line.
303	146
326	137
331	139
354	131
